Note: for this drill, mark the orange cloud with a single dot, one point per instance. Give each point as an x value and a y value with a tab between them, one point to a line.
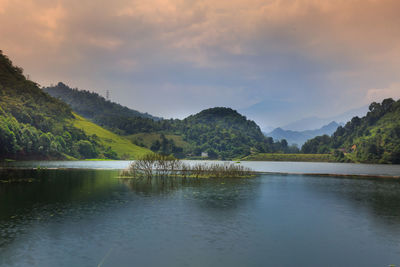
378	94
50	17
352	45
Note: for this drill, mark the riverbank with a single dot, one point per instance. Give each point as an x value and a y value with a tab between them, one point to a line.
290	157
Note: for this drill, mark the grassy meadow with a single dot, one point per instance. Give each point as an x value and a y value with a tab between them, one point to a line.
147	139
122	146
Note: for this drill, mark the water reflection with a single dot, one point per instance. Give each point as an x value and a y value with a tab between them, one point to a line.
212	222
27	188
208	193
29	197
155	186
379	198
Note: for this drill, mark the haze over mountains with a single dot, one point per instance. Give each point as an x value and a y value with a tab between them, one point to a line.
300	137
35	125
373	138
315	122
220	132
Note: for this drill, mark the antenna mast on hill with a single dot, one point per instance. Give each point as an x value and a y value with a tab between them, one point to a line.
108	95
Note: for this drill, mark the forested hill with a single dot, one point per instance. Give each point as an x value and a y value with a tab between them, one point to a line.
224	119
34	125
95	107
221	132
374	138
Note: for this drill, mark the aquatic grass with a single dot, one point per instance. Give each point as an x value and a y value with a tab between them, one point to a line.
156	165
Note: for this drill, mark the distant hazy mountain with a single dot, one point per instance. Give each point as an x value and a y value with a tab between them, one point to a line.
267	129
221	132
300	137
374	138
317	122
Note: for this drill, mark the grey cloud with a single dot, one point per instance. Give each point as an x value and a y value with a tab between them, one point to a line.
172	58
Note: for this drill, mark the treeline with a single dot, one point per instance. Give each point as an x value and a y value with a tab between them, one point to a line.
224	133
23	141
35	125
221	132
166	146
102	111
374	138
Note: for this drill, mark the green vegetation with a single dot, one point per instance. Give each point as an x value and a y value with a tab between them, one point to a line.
157	165
221	133
165	144
122	146
105	113
148	139
34	125
291	157
375	138
92	104
224	134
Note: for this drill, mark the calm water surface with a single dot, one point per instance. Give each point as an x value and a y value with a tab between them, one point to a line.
260	166
89	217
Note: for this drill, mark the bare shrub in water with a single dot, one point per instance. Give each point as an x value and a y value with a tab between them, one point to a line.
156	165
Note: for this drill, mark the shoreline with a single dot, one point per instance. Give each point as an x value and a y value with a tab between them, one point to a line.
338	175
334	175
204	159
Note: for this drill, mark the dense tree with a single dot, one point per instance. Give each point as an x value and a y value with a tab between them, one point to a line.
33	124
8	142
224	130
372	138
86	149
120	119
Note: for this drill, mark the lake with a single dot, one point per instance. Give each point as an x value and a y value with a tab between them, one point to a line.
86	216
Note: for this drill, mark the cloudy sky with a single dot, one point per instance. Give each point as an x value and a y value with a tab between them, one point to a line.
277	61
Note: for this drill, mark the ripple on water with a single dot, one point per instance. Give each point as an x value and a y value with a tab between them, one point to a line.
207	222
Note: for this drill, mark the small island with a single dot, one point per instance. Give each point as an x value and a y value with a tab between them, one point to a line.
156	165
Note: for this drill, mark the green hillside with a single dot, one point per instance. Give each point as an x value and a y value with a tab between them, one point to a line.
113	116
147	139
374	138
35	125
222	132
122	146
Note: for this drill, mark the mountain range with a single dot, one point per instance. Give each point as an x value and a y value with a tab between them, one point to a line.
315	122
300	137
219	132
65	123
373	138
